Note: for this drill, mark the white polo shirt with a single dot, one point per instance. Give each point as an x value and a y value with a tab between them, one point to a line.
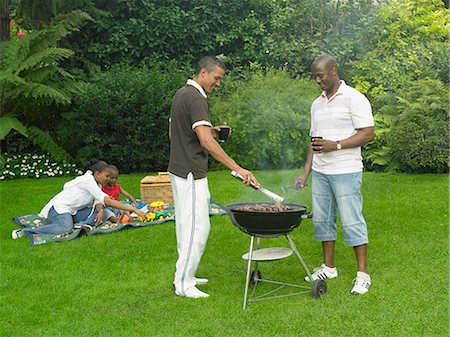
335	119
79	193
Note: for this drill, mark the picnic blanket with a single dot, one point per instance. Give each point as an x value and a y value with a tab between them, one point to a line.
36	220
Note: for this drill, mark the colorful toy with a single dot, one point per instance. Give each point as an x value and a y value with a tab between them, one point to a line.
124	218
158	211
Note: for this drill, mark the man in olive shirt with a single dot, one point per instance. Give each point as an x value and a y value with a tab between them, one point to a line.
191	140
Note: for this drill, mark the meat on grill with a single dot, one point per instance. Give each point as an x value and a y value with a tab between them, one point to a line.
263	208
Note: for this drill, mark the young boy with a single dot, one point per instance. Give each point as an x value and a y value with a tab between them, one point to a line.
114	191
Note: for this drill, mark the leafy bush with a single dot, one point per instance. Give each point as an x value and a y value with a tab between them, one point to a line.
35	166
270	119
123	118
419	140
412	130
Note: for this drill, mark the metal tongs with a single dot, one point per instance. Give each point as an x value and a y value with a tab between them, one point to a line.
275	197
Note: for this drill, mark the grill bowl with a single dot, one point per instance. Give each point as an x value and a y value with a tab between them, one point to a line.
266	223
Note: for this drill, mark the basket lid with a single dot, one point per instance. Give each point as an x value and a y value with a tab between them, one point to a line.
162	177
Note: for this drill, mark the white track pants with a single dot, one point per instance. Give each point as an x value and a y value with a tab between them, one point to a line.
191	199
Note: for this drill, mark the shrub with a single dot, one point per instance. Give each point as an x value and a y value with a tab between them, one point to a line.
270	119
123	118
412	130
419	139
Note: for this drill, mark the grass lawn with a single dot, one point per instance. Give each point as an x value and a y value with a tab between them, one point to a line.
121	284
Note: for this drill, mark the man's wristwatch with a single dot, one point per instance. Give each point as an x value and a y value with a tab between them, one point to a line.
338	145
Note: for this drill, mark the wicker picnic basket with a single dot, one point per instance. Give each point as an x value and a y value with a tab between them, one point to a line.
156	188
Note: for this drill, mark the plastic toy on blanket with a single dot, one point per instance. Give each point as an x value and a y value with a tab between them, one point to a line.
158	211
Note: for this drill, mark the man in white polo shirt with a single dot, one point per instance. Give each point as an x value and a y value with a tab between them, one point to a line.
341	122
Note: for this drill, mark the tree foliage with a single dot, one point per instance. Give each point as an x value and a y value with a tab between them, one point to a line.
382	47
409	41
38	14
302	30
147	31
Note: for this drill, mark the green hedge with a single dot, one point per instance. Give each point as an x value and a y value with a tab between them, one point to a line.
122	118
270	118
411	130
419	138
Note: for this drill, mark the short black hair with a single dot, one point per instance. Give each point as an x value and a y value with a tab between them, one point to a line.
114	168
209	63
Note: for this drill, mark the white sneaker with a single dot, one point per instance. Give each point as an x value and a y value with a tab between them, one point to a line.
192	292
323	272
17	233
200	281
362	283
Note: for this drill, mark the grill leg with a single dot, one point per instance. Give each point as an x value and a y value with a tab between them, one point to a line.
258	245
291	243
249	264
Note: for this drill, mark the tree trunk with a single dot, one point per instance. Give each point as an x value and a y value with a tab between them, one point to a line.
4	19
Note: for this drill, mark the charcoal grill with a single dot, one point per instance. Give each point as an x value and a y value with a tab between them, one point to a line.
263	224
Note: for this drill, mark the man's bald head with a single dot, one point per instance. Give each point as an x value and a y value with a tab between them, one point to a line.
324	72
325	61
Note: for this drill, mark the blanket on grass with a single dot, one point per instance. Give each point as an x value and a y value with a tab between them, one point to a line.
36	220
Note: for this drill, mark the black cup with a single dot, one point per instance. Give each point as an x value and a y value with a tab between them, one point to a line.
313	138
224	133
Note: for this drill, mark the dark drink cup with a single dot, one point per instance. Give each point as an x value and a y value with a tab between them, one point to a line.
224	133
313	138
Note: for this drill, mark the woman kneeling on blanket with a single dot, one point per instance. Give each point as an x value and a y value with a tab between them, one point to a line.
81	201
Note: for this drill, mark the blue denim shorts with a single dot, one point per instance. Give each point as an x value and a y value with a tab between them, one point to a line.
333	193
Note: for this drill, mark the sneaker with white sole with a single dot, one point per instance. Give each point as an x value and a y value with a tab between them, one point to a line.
362	283
192	292
323	272
17	233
